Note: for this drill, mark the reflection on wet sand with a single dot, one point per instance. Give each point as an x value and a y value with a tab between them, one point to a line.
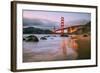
55	49
64	47
69	48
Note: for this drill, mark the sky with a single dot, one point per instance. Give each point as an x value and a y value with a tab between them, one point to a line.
48	17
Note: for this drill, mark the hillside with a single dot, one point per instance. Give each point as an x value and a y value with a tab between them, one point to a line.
33	30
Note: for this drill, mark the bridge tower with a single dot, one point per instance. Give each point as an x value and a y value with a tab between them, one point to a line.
62	26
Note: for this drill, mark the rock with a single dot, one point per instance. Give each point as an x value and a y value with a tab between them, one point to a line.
65	35
23	38
32	38
85	35
43	38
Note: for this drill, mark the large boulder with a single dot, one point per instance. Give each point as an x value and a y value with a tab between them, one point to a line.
32	38
43	38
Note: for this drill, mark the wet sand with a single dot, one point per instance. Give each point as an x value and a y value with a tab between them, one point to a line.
84	47
74	49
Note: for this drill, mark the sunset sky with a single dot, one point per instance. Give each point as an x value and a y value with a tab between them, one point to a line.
54	17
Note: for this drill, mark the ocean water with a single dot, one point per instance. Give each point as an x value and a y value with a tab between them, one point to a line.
55	48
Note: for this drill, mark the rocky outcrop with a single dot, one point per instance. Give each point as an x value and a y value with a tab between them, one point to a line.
43	38
31	38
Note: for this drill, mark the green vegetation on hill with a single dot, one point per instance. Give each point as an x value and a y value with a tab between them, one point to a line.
34	30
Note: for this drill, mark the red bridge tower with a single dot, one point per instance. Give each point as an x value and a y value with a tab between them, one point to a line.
62	26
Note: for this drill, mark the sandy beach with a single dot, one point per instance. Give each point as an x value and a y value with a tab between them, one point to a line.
75	48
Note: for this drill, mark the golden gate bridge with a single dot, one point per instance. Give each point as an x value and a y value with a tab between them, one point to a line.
68	29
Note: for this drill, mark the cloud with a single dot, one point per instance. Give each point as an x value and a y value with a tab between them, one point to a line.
47	24
39	23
